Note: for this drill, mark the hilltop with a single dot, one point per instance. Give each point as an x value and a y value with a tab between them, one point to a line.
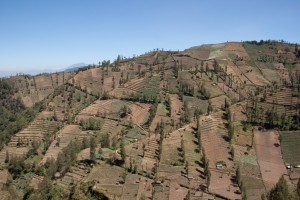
212	121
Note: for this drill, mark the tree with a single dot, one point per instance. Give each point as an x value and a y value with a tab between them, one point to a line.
208	178
113	80
188	196
122	149
230	131
6	157
105	142
51	167
44	188
85	143
226	104
182	150
232	152
238	176
139	70
280	191
298	188
123	111
209	107
93	148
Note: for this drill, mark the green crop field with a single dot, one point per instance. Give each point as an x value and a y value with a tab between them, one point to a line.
150	87
290	142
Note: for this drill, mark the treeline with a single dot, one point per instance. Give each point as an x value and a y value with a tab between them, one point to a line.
261	42
272	119
90	124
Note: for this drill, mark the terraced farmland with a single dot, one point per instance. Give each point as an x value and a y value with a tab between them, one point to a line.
290	143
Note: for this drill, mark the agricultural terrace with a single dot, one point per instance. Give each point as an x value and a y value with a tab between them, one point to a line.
104	79
160	115
192	158
284	96
269	157
33	89
115	183
290	143
197	53
217	148
108	180
250	177
249	171
283	101
171	153
146	88
62	139
194	103
98	108
76	174
69	101
219	101
137	112
150	156
176	106
38	130
173	180
253	74
236	49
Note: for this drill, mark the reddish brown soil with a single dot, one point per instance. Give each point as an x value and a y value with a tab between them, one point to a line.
269	157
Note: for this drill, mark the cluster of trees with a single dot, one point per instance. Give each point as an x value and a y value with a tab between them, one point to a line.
205	94
124	111
182	149
143	98
105	141
65	159
186	88
46	190
271	59
271	118
209	107
168	105
16	165
230	126
185	116
161	138
13	114
123	80
205	164
152	112
281	191
261	42
90	124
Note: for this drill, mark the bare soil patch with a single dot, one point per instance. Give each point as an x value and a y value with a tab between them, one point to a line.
269	157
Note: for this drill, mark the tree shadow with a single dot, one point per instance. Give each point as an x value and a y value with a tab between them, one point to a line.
196	142
226	138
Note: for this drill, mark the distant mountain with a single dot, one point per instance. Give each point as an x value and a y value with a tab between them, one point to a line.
71	68
8	73
75	67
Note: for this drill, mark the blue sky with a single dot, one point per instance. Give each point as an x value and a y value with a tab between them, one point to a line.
52	34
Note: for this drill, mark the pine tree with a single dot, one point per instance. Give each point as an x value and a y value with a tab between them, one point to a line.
122	149
6	157
298	188
209	107
93	148
280	191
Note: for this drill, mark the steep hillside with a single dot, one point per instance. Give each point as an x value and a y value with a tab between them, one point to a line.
207	122
32	89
